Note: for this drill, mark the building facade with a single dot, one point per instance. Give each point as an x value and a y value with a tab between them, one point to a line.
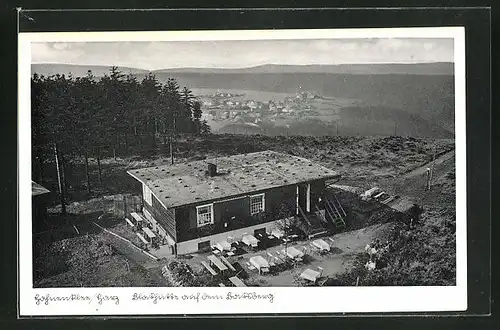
195	205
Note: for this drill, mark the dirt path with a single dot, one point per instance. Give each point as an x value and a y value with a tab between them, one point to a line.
441	161
413	183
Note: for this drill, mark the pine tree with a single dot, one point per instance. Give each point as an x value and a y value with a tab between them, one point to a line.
186	110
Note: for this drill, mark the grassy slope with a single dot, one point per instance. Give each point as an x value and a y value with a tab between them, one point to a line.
362	161
420	255
88	261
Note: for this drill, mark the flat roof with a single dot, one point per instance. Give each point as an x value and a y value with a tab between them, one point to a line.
37	189
187	183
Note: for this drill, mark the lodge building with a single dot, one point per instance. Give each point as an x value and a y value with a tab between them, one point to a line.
192	206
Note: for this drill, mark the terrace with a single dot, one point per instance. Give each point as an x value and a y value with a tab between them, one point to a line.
280	262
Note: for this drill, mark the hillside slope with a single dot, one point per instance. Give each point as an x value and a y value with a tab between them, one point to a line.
48	69
438	68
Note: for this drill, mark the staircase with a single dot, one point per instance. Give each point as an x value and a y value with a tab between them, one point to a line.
335	212
313	224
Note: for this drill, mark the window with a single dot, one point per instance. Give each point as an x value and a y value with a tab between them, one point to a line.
205	214
256	204
146	193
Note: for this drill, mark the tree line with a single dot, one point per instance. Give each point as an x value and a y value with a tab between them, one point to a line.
86	116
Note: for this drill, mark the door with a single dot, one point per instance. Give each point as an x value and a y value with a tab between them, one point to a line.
261	231
303	197
204	246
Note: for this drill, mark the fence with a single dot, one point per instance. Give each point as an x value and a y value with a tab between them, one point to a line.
125	205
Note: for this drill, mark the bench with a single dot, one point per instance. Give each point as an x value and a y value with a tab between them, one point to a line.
227	263
142	238
130	223
210	269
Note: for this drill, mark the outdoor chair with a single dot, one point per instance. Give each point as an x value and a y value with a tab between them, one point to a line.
249	265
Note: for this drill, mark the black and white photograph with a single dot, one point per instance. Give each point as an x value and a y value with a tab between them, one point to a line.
244	164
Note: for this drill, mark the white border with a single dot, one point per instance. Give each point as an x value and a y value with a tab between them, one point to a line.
285	300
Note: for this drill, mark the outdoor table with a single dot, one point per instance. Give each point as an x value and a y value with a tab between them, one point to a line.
260	263
321	244
223	246
277	233
148	232
214	260
293	253
137	217
236	281
310	275
250	240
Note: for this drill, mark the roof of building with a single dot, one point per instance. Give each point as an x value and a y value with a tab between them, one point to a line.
187	183
37	189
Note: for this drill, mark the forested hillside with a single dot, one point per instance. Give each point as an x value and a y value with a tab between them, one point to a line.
85	116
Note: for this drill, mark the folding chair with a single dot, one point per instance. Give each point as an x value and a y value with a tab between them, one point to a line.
249	265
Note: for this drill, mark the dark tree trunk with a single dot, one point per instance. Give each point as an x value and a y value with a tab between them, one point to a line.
59	179
87	176
99	171
63	175
171	150
115	145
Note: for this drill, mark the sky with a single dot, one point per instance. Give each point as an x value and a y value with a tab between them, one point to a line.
240	54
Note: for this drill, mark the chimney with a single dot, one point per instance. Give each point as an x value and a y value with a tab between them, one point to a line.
212	169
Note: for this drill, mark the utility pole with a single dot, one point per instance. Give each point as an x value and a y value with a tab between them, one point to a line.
337	122
59	179
395	127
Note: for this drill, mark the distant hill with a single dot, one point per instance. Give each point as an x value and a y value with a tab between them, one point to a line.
48	69
438	68
419	96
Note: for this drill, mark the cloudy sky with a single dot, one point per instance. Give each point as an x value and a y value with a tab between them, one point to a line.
239	54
